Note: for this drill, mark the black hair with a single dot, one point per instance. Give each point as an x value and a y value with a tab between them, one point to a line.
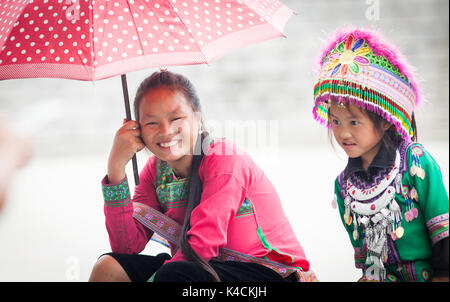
171	81
194	196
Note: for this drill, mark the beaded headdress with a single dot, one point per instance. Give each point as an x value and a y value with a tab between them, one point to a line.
361	68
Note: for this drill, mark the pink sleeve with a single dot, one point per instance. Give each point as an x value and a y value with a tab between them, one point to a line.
224	179
126	235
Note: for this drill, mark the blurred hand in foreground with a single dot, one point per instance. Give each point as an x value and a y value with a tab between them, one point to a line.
15	151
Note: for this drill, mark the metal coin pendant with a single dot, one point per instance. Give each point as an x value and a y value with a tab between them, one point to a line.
399	232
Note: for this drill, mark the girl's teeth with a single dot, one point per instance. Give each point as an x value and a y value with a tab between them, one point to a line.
169	144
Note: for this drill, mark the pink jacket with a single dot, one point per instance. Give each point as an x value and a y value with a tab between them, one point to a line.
229	176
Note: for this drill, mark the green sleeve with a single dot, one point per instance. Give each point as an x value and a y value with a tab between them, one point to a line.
339	200
116	195
432	195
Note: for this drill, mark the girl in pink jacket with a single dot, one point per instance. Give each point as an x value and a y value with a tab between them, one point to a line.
220	213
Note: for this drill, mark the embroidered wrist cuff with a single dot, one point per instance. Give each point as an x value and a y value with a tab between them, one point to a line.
117	195
438	228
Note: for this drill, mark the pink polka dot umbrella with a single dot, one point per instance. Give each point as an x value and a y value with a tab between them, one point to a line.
96	39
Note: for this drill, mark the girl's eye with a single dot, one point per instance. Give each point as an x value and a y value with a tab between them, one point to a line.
150	123
177	118
335	122
354	123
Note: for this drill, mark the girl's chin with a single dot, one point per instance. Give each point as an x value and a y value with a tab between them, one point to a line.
172	158
352	153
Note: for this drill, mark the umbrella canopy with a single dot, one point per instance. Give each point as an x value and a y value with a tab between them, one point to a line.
96	39
93	40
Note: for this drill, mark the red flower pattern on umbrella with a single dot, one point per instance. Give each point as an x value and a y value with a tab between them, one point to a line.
349	55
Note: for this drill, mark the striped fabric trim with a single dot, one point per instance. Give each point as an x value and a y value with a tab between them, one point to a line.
360	258
175	204
438	228
408	271
284	270
117	195
343	87
365	97
160	240
166	227
117	204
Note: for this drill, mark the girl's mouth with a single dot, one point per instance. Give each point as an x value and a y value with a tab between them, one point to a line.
168	144
347	144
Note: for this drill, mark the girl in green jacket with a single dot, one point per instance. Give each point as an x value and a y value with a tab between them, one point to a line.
390	196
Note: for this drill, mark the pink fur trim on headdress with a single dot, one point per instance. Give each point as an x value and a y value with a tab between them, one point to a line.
380	46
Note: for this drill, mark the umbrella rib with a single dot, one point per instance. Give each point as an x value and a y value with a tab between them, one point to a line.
7	37
187	29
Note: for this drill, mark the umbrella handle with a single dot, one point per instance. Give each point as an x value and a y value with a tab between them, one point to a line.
128	115
135	170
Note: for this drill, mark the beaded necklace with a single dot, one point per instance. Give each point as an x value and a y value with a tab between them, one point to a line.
378	214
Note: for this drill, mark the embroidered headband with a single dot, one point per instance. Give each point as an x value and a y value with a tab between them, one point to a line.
360	68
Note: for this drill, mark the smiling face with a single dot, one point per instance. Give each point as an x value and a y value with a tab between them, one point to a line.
169	126
355	132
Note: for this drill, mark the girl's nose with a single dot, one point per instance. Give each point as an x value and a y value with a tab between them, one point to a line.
164	128
344	133
167	128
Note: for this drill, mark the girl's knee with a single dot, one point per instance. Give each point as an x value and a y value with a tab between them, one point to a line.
107	269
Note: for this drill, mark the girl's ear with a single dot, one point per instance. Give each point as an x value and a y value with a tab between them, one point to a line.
386	125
